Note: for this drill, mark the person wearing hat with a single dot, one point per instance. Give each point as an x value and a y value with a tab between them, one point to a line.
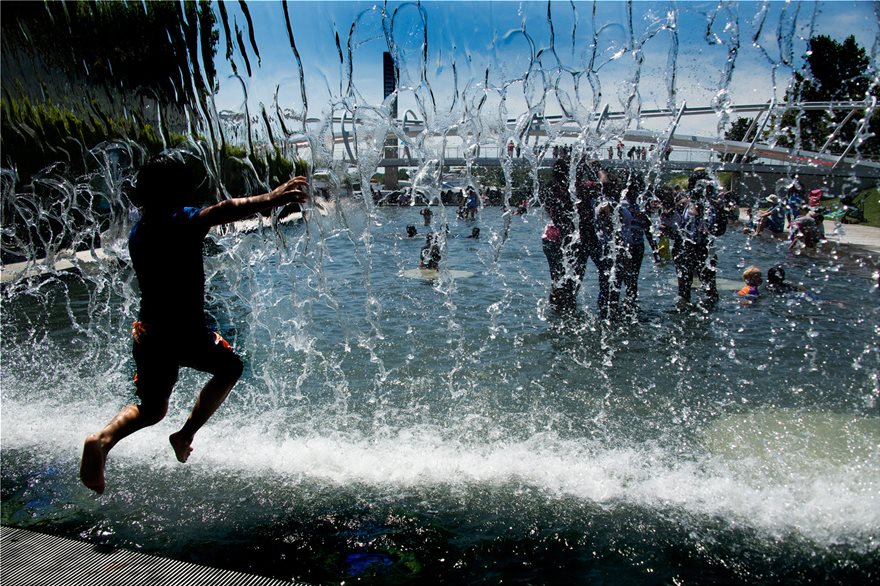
771	216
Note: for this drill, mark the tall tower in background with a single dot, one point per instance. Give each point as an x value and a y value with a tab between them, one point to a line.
389	76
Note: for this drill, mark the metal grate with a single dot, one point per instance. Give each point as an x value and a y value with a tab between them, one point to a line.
36	559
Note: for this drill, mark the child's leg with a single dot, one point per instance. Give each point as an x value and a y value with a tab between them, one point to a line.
210	398
685	273
633	264
97	445
217	357
155	379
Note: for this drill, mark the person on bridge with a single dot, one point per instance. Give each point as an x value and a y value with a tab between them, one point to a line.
171	330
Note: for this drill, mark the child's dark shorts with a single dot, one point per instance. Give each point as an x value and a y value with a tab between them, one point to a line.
159	355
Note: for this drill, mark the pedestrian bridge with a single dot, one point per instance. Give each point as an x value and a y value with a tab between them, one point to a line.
750	155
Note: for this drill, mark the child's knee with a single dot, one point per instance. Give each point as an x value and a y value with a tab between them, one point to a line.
153	412
232	367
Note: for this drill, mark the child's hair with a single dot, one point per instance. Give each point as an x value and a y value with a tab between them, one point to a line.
775	275
167	178
750	273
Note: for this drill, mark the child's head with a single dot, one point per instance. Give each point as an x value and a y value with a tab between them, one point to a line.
170	181
752	276
775	275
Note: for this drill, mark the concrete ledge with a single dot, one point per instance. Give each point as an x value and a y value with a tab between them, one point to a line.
35	559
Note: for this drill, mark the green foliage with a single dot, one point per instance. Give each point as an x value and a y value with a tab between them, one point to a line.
78	73
246	173
34	136
301	167
737	131
520	177
680	180
833	72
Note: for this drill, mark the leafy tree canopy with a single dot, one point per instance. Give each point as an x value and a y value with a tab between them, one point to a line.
737	131
833	71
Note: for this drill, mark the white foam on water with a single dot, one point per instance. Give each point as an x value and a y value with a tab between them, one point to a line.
826	502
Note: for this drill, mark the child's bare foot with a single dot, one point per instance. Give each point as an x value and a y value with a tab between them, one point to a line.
91	468
181	445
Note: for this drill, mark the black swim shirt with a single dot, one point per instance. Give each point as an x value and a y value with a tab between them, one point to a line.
166	251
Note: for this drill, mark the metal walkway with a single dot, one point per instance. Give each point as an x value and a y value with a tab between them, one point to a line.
35	559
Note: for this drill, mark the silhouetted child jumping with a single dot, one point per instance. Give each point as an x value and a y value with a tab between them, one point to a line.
171	330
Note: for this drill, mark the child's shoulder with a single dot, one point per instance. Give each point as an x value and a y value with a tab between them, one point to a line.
186	213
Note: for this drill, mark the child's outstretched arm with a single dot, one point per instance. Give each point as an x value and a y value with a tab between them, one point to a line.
233	210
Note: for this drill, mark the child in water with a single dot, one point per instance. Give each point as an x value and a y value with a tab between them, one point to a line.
776	282
753	279
171	330
429	258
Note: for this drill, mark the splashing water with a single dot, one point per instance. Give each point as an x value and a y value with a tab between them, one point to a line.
454	428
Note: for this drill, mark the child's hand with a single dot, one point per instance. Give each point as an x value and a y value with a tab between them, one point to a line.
293	191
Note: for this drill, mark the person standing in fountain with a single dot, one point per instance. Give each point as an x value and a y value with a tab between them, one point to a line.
559	243
472	203
636	229
171	330
427	214
700	223
570	239
430	257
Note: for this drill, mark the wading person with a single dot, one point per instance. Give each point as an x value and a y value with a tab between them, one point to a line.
569	239
700	223
171	331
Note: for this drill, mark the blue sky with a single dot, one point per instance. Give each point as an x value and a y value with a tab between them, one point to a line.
630	64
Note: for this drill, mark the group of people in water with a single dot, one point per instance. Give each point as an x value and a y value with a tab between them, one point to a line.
596	215
430	254
776	283
605	217
802	221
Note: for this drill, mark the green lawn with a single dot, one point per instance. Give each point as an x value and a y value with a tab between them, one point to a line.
871	206
868	200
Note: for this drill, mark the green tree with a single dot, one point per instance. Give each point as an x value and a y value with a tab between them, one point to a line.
75	74
833	71
737	131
